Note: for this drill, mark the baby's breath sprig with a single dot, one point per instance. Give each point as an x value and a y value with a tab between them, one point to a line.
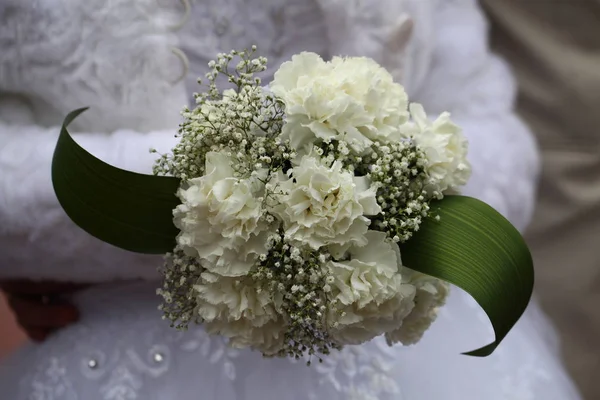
296	278
336	150
399	169
243	121
180	273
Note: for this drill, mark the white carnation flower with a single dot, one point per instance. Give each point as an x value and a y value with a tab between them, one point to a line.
220	218
430	296
445	147
352	99
369	294
324	205
238	310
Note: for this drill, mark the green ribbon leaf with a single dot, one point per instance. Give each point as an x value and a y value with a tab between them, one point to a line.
126	209
475	248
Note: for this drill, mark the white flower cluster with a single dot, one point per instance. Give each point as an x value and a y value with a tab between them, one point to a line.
349	99
294	200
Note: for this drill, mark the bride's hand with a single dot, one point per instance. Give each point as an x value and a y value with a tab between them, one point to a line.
39	307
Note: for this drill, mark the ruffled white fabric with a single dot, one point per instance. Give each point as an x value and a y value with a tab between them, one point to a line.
117	57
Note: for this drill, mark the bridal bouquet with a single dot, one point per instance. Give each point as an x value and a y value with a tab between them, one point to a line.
317	212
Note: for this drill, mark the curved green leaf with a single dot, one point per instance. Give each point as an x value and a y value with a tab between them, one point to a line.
129	210
478	250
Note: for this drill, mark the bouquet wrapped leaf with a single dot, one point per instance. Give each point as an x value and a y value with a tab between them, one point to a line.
320	211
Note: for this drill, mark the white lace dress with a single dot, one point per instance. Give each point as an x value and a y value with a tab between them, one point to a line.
116	56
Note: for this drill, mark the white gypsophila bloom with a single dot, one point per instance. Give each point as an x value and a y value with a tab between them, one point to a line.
350	99
445	147
323	205
368	292
430	296
237	309
221	220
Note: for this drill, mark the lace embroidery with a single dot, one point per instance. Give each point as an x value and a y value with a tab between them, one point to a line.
213	349
51	382
358	372
122	385
279	28
361	372
122	374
